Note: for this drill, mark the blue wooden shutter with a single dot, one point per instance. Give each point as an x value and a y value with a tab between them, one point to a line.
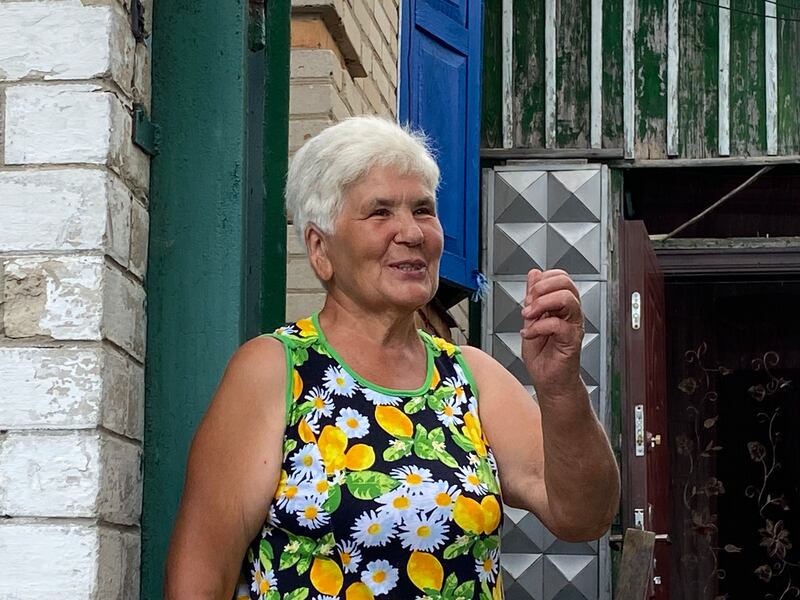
440	61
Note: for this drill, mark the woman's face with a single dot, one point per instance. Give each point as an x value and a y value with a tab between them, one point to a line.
387	242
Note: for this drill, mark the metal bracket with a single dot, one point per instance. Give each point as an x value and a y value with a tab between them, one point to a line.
638	518
146	134
636	310
638	428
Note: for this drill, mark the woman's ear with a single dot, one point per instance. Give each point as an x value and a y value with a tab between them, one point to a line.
316	244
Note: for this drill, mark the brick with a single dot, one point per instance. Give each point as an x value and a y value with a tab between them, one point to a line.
119	497
72	123
294	246
124	312
63	41
339	108
367	56
392	13
351	28
301	130
311	99
139	235
299	306
383	22
75	474
320	64
142	77
300	276
71	387
73	298
118	565
352	97
72	209
69	551
58	297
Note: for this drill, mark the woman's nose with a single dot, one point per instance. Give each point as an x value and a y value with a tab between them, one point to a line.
409	232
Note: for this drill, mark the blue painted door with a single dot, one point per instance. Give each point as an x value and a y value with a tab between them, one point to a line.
440	62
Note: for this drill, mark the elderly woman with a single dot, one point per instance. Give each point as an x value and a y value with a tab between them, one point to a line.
349	455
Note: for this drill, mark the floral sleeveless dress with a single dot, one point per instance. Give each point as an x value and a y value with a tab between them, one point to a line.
383	493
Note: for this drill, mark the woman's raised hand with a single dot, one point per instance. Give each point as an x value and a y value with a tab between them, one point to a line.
552	332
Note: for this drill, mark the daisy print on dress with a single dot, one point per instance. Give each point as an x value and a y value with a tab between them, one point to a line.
373	529
423	533
339	382
380	577
382	494
379	399
353	423
350	556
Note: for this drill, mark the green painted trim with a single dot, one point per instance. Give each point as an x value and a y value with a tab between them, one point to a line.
492	75
468	374
368	384
276	162
748	92
289	370
194	277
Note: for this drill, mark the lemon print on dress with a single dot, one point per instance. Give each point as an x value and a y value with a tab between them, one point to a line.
425	571
326	576
393	421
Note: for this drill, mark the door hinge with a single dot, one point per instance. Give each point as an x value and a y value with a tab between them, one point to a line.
146	134
638	428
137	20
636	310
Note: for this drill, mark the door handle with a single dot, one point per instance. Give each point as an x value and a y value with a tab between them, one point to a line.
615	541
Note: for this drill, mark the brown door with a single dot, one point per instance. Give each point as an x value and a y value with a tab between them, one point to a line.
645	454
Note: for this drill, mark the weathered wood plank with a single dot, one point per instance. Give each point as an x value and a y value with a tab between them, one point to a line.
612	75
636	565
528	65
748	91
698	81
492	76
771	74
651	79
788	81
724	53
573	92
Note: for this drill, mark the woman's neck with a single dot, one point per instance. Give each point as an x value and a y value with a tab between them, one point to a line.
348	324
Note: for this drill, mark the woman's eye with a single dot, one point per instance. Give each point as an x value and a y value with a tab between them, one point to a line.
425	211
380	212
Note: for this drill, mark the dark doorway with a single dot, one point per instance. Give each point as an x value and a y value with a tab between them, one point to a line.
733	395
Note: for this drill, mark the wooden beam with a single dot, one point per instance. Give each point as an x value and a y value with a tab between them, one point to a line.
628	80
596	76
681	163
771	73
550	73
673	66
508	73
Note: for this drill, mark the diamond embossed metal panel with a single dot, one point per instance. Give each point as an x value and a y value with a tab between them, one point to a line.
547	217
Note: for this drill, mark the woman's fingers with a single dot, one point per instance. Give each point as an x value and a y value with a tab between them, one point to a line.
561	302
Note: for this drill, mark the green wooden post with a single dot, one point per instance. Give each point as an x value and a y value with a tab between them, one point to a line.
194	285
276	156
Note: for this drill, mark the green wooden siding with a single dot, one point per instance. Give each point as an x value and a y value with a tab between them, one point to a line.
697	125
788	79
492	76
748	93
528	70
612	75
698	80
650	42
573	53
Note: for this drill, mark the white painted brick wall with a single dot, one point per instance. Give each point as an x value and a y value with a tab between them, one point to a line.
73	255
42	560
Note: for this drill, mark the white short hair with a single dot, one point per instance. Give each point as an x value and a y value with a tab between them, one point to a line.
339	156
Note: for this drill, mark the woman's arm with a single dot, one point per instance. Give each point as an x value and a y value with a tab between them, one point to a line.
554	458
232	473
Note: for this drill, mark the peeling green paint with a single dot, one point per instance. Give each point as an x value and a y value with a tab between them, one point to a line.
612	74
528	68
748	94
492	76
650	42
698	80
788	82
573	53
